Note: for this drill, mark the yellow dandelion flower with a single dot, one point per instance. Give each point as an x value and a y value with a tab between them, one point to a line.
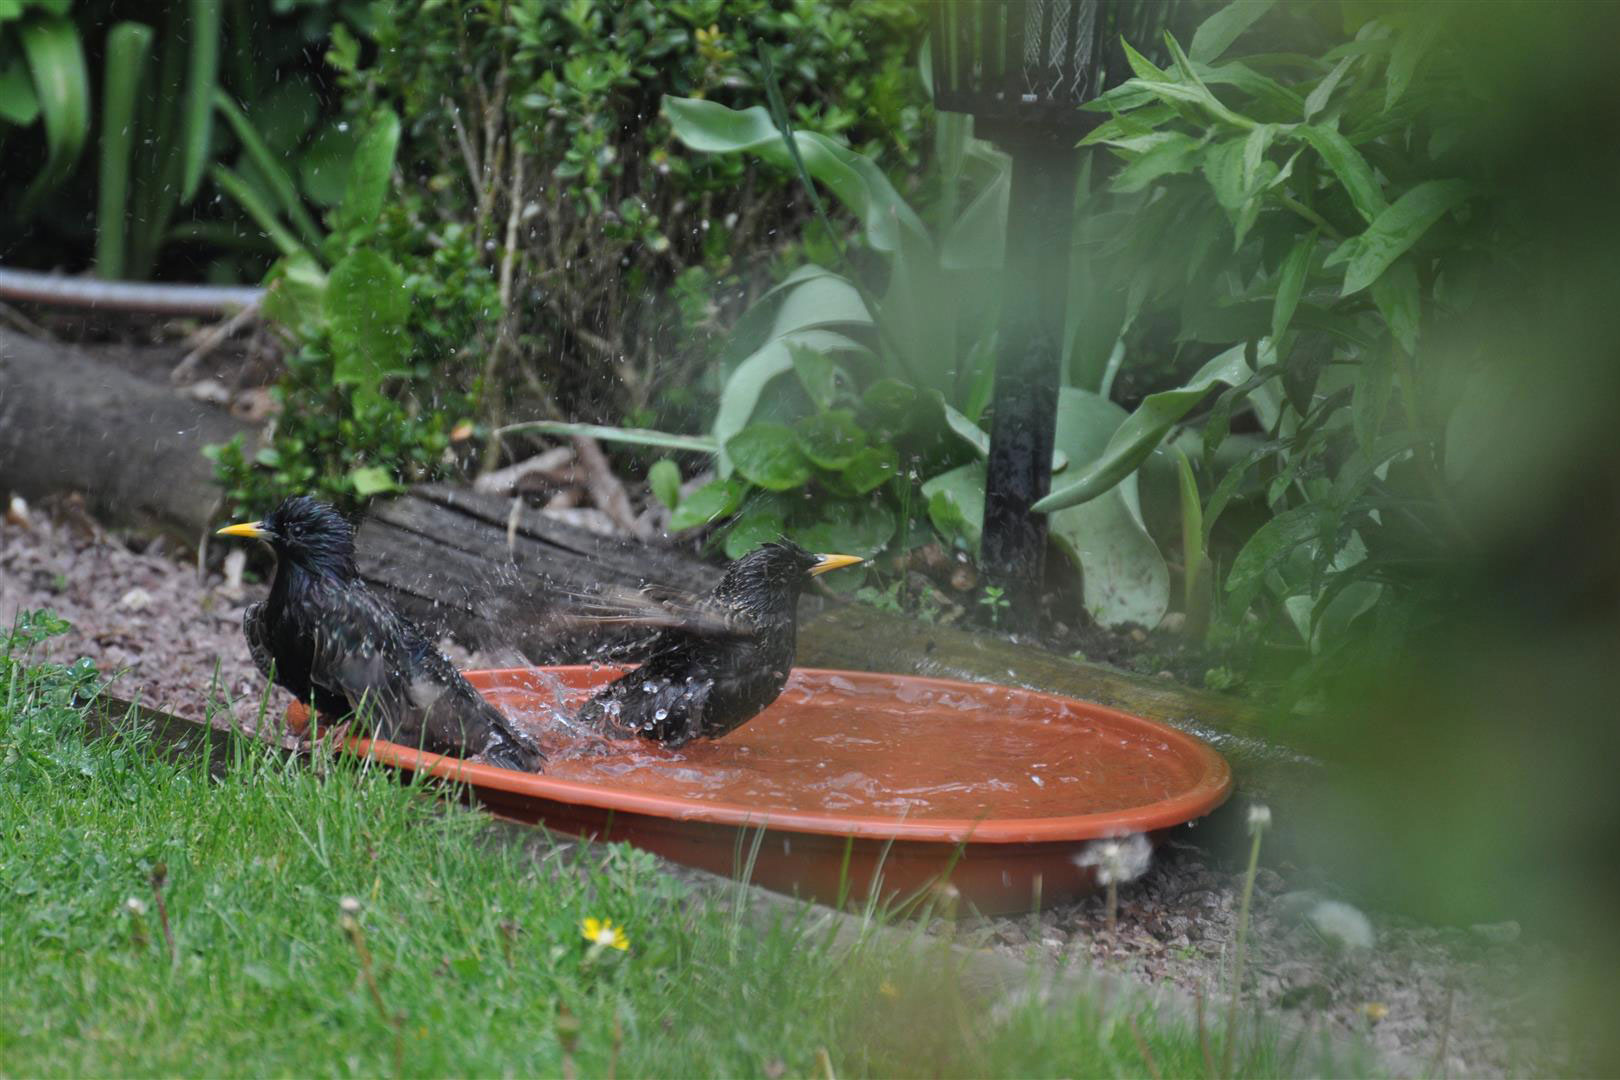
603	932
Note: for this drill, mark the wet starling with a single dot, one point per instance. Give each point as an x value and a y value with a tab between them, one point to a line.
719	661
342	649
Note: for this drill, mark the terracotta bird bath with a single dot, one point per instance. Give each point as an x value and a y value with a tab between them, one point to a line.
860	783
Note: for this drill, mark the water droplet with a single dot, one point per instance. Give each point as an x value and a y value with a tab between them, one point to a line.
661	714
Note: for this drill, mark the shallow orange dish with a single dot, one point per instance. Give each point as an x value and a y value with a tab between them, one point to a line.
853	775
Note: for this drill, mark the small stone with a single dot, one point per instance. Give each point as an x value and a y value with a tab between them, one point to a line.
1174	623
17	513
1341	924
1138	635
963	578
137	599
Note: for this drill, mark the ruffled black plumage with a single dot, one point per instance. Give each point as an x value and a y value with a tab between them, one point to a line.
717	661
335	644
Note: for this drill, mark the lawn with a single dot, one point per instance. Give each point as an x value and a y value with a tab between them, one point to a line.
332	921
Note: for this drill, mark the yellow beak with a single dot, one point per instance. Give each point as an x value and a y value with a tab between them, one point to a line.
825	563
252	530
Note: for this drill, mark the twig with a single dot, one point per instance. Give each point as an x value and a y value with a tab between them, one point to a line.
824	1063
606	491
213	339
160	874
1142	1048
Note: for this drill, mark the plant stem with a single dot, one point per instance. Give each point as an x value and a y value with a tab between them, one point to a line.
1310	215
1237	956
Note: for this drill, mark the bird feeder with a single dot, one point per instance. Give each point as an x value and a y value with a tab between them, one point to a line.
1022	68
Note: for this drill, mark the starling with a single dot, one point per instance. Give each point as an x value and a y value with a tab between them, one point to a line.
719	661
341	649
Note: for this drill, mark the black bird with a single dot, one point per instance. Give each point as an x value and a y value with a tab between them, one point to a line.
343	650
719	661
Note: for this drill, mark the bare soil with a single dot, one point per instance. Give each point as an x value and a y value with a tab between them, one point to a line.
1454	1001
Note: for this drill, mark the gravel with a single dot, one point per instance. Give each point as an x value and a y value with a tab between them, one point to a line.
1456	1001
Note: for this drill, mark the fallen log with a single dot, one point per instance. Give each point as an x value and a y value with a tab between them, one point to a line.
69	422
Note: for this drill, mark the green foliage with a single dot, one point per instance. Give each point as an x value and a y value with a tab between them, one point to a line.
1279	216
163	76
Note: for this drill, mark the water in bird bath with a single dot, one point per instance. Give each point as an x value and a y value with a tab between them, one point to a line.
872	746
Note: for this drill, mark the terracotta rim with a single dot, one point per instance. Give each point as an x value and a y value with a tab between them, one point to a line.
1209	791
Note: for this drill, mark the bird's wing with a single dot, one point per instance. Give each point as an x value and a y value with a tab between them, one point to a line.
658	608
257	632
359	652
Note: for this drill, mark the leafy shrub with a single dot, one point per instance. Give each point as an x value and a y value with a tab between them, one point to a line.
1302	216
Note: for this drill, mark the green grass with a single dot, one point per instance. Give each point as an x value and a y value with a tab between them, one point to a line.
474	945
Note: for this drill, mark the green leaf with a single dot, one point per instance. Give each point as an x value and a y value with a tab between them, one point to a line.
768	455
373	480
295	294
1178	154
1411	44
1349	166
127	46
366	308
1216	34
253	204
269	165
1270	545
821	300
323	165
748	380
977	238
664	478
19	104
831	439
1291	283
1397	294
712	501
1223	168
1396	229
817	374
751	529
1137	436
849	527
702	444
1375	379
872	468
202	75
956	503
62	87
1317	100
370	171
1124	577
857	182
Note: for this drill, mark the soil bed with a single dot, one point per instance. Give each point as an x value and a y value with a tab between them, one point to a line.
1457	1001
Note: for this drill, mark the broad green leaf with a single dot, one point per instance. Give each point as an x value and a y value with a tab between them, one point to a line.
758	324
748	380
202	77
323	165
1291	283
701	444
956	503
1216	33
1317	100
1396	292
977	237
822	300
714	500
1272	543
295	294
1194	95
768	456
664	478
19	104
1125	578
1400	226
1411	44
366	308
872	468
1349	166
1141	66
751	529
1206	98
1136	437
1254	156
831	439
976	437
1178	154
1375	380
1223	168
1192	524
817	374
373	480
848	527
370	171
857	182
888	402
62	88
128	44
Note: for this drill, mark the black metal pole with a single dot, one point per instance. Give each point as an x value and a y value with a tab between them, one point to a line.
1034	292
